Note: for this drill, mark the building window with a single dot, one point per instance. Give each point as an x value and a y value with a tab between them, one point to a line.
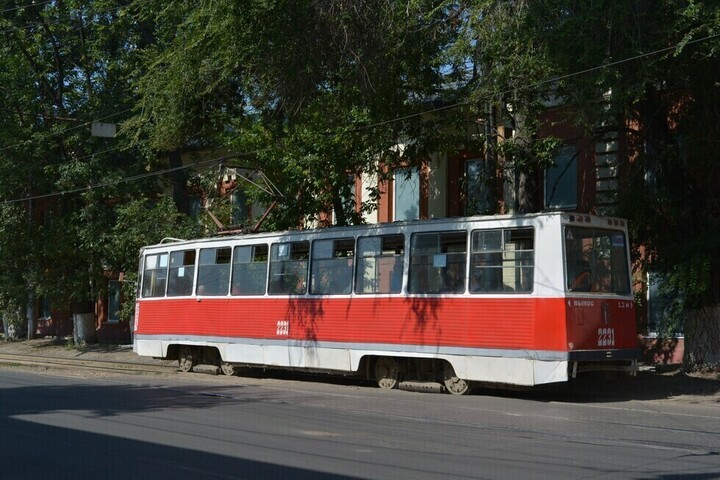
45	308
476	188
347	197
561	180
407	194
195	207
239	208
664	309
114	289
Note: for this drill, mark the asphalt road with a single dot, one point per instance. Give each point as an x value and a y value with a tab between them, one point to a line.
201	427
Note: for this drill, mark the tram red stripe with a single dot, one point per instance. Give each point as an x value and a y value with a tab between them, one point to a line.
509	323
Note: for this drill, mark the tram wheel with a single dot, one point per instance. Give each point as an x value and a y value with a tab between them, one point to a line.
387	372
228	369
186	358
453	384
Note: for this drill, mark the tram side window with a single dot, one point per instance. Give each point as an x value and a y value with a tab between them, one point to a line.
332	266
214	271
249	273
596	261
380	264
437	262
155	275
288	268
182	273
502	261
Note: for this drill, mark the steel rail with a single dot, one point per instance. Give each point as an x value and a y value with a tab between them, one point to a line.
114	366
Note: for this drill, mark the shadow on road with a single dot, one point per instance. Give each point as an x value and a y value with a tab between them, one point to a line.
34	446
610	387
591	387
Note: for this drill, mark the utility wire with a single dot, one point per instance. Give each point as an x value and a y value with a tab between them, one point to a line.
366	127
56	134
20	7
533	85
134	178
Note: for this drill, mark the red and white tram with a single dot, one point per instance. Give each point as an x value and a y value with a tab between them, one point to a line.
521	300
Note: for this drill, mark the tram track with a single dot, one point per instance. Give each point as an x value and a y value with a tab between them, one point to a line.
65	363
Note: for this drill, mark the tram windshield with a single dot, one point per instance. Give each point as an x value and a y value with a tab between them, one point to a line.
596	261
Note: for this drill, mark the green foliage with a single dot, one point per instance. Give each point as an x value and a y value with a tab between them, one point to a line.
310	88
320	92
138	223
143	222
63	65
14	257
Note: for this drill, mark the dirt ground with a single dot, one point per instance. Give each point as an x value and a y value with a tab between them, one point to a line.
667	383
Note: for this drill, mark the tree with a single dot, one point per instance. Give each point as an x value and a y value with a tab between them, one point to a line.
667	97
502	63
64	65
311	89
647	69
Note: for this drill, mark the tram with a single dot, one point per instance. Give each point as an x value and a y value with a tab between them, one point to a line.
509	299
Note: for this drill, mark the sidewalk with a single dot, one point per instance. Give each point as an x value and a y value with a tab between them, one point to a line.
59	348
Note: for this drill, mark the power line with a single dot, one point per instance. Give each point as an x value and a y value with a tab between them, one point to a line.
365	127
119	181
81	125
534	85
20	7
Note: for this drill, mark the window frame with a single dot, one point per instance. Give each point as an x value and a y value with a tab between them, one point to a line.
208	284
294	260
183	266
503	260
234	286
332	275
395	282
405	178
450	276
563	174
158	268
113	308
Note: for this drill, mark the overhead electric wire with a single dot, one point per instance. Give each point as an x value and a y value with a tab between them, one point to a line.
20	7
365	127
55	134
111	183
534	85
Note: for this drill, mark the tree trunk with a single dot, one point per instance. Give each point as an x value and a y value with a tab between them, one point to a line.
702	338
526	193
30	314
179	181
84	323
526	187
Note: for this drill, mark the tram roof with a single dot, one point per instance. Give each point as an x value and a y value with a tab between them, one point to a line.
573	217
